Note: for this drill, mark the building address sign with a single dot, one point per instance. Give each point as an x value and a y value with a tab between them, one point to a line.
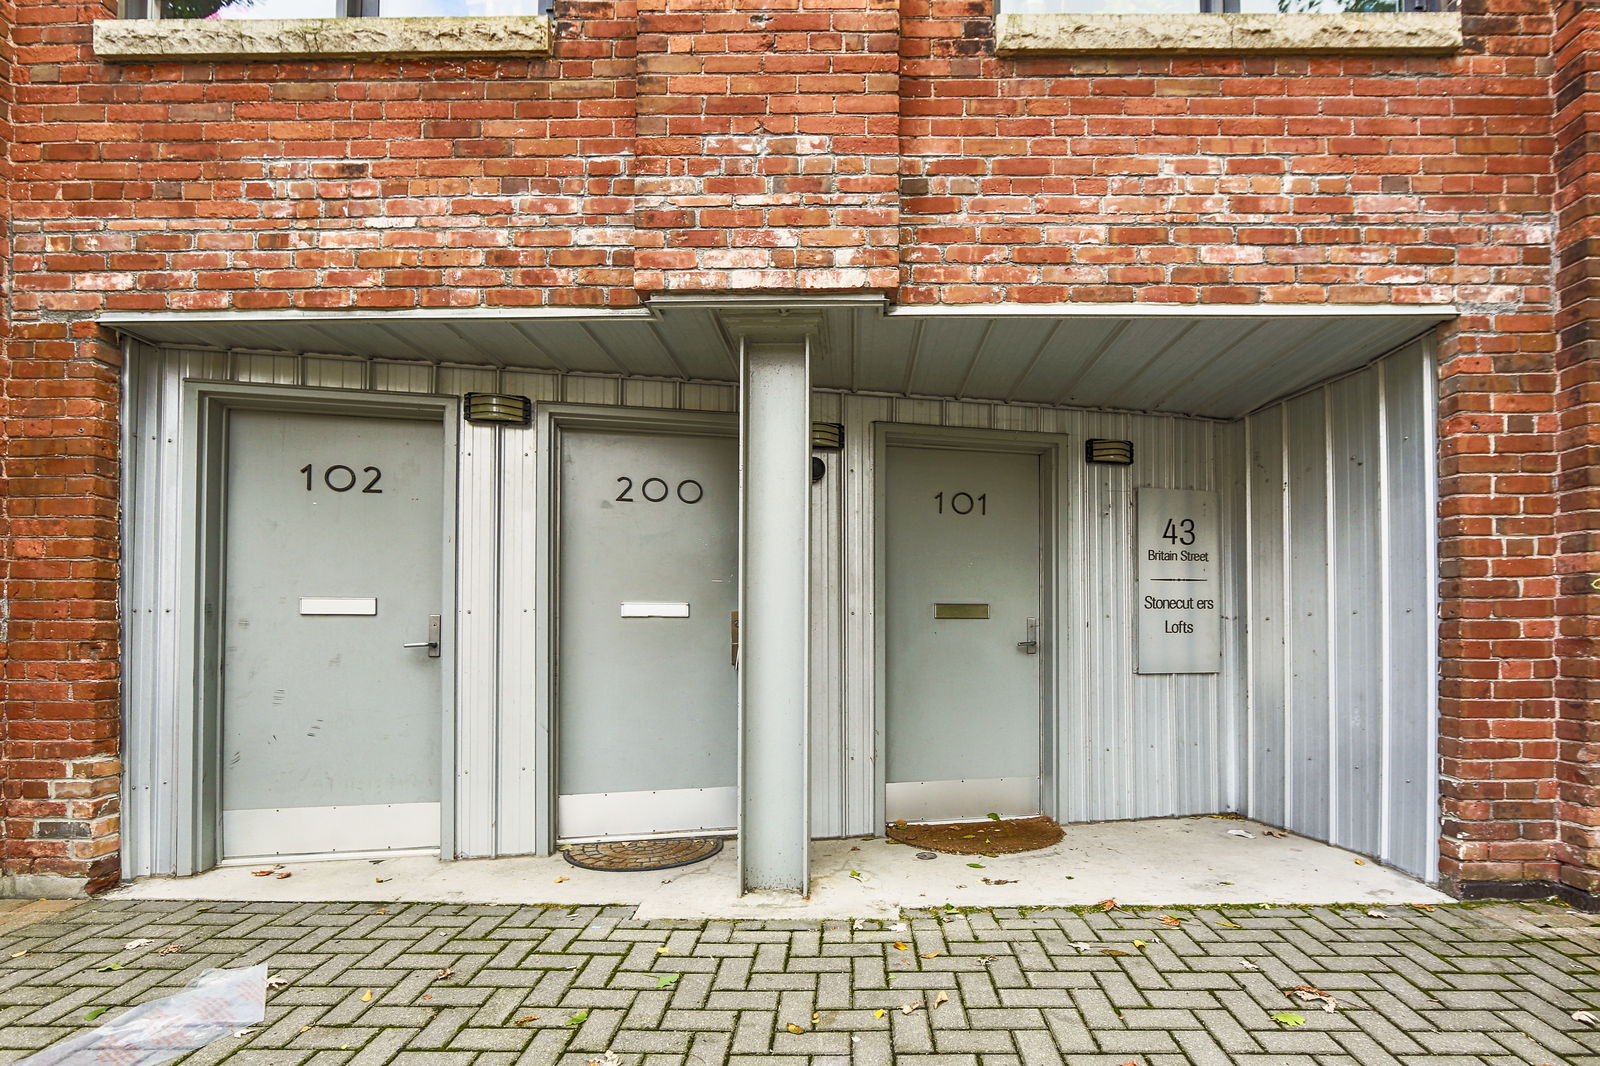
1176	546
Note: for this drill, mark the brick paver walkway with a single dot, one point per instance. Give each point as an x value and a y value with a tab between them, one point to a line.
508	986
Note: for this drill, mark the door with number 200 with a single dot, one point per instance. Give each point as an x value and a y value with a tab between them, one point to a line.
647	719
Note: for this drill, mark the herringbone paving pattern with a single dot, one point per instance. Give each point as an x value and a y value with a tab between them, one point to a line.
452	985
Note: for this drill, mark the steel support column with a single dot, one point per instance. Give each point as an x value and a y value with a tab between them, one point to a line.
774	651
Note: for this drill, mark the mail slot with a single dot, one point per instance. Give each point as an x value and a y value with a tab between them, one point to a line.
961	610
655	610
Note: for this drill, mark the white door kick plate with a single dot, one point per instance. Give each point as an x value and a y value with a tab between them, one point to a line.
655	610
339	605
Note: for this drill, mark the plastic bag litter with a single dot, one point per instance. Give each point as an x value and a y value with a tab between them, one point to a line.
218	1003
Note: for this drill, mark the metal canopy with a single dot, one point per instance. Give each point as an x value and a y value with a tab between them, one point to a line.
1220	363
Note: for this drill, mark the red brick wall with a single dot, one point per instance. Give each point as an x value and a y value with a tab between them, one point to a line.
1577	733
807	145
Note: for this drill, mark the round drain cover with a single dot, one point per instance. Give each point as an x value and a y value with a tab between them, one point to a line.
639	855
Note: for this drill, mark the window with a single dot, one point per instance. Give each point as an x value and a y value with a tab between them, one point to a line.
323	9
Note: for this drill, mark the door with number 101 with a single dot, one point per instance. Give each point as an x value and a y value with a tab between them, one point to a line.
962	603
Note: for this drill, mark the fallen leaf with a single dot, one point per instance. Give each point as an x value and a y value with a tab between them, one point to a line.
899	945
968	836
92	1015
1307	994
878	1013
135	945
795	1029
663	951
366	997
108	966
667	980
910	1008
561	879
1377	914
577	1019
285	873
275	983
1276	833
525	1019
1229	925
1361	862
382	880
1289	1018
993	817
977	865
942	998
305	1028
998	881
446	972
1247	964
244	1032
1167	919
18	954
930	954
260	873
816	1016
1585	1017
1080	946
1245	833
856	874
1108	904
1422	906
1111	951
1140	944
169	949
610	1058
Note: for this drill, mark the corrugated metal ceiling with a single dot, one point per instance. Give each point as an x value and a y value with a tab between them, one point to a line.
1216	363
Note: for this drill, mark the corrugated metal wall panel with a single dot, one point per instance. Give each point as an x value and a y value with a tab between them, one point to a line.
477	629
1340	526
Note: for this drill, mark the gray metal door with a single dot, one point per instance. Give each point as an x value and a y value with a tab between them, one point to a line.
962	592
648	720
331	727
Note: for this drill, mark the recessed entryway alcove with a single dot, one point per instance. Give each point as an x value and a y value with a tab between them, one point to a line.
1310	429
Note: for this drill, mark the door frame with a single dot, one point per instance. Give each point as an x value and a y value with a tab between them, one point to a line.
1050	449
202	557
551	421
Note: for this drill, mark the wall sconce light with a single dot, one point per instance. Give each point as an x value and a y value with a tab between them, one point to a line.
498	408
827	436
1099	450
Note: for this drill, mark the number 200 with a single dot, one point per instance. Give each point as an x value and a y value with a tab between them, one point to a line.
654	490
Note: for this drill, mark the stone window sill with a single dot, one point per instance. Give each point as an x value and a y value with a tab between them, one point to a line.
1425	32
128	40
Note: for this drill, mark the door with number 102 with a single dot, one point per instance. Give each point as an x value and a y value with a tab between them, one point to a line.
962	604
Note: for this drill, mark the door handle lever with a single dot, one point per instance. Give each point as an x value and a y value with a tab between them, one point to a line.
1031	645
432	643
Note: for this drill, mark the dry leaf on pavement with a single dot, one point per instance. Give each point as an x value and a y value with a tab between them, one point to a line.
1167	919
795	1029
1108	904
366	997
910	1008
1307	994
1586	1017
525	1019
941	999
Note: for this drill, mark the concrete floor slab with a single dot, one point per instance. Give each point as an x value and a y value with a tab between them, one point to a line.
1159	862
